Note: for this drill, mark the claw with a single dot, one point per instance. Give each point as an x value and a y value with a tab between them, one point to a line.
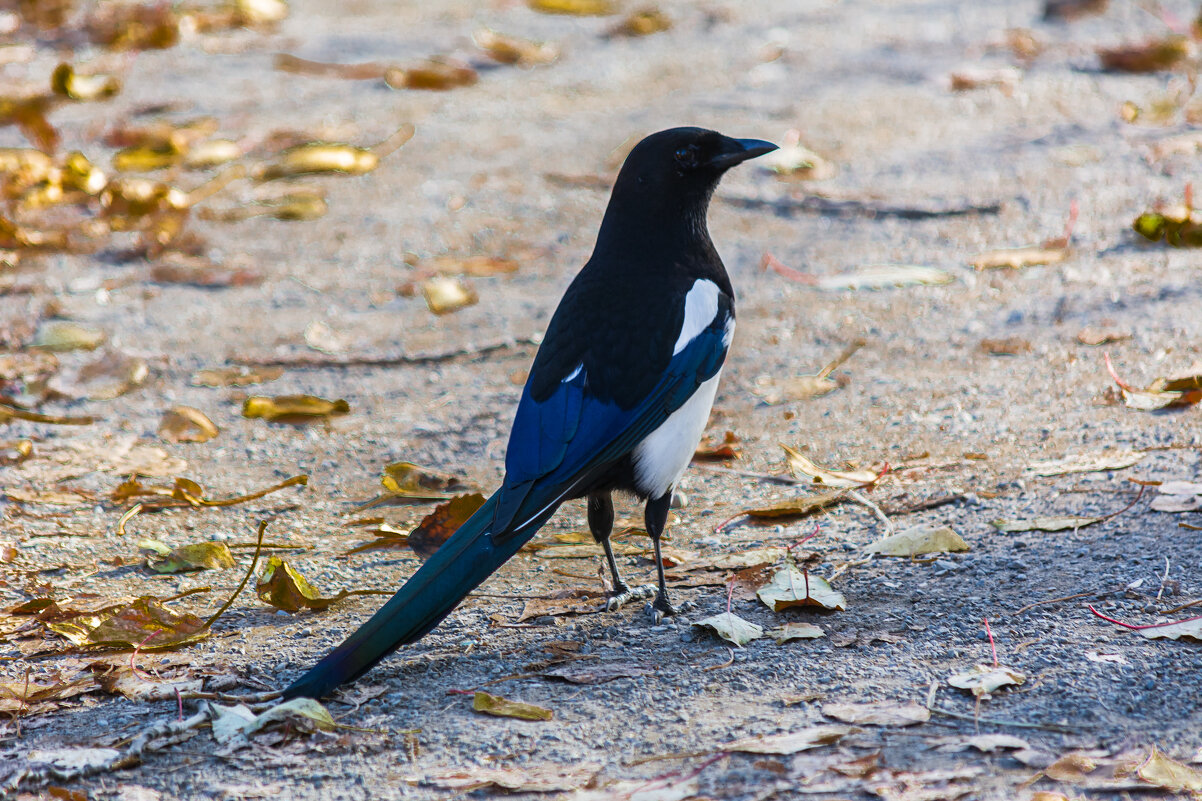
660	608
620	599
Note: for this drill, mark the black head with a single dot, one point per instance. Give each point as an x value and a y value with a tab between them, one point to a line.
684	162
663	189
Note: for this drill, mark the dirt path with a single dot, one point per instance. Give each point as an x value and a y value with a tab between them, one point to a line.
515	166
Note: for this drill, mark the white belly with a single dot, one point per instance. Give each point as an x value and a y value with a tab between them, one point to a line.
661	458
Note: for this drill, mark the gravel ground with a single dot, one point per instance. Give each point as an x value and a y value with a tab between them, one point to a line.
517	166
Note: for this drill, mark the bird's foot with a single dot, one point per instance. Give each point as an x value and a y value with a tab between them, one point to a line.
661	608
624	595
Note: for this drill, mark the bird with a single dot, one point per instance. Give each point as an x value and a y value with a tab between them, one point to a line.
617	398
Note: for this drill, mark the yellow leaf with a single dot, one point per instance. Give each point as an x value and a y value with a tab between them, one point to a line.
503	708
295	409
918	540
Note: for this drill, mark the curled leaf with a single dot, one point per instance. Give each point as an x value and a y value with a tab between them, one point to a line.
67	82
414	482
197	556
294	409
803	468
795	631
503	708
435	74
918	540
792	742
283	587
512	50
235	376
642	22
186	424
982	680
799	506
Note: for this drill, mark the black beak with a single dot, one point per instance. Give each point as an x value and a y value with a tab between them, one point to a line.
736	151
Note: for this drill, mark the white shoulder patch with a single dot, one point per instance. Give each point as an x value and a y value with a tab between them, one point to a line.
573	374
700	309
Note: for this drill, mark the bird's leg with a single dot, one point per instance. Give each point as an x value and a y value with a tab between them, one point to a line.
601	524
656	517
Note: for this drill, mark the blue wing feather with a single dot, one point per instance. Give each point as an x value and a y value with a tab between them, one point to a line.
558	443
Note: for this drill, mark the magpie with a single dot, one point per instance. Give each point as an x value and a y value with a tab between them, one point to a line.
616	400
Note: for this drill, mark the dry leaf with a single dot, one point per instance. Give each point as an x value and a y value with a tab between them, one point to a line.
1008	346
1190	629
197	556
799	506
293	409
794	161
795	631
186	424
773	390
878	714
582	8
1152	56
179	268
792	742
1162	393
984	679
512	50
445	295
711	450
1018	258
885	276
1054	523
1101	336
803	468
235	376
477	266
186	492
1169	774
62	335
791	587
319	157
756	557
1004	78
132	686
573	602
503	708
305	712
732	628
145	624
414	482
920	539
67	82
1097	462
526	779
438	526
283	587
51	497
435	74
109	376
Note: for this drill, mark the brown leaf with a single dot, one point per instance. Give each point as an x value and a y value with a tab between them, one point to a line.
1101	336
437	527
477	266
643	22
67	82
503	708
177	268
235	376
293	409
145	623
710	450
1009	346
512	50
799	506
1152	56
186	492
109	376
878	714
435	74
186	424
283	587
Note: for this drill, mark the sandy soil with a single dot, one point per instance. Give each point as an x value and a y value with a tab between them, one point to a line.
867	85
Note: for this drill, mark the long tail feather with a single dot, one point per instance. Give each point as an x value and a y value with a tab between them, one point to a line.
458	567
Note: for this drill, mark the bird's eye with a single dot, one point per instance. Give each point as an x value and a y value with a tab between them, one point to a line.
687	156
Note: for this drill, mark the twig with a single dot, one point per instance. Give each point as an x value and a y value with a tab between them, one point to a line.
1163	580
1085	594
826	207
773	477
1183	606
725	664
847	353
253	562
859	497
306	362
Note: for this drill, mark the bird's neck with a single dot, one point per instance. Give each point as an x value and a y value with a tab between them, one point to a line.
645	231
